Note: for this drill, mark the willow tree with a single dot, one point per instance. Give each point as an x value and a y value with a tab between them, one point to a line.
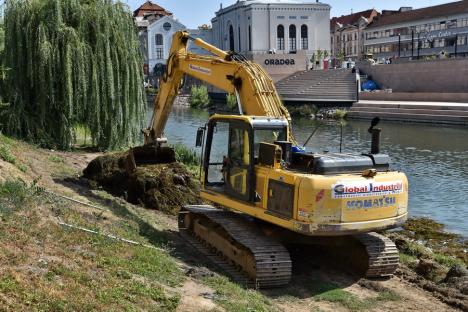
2	67
73	63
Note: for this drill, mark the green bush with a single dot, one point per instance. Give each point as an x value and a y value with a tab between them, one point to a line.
340	114
231	101
199	97
304	110
186	155
6	155
151	90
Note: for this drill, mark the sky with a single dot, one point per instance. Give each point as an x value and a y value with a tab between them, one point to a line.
193	13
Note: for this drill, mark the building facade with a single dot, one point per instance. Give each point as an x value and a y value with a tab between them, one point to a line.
147	13
422	33
160	34
347	35
293	30
272	26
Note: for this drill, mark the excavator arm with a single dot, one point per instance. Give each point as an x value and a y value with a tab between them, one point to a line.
254	89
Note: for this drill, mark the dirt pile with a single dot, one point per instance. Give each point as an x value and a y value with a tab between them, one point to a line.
165	187
434	260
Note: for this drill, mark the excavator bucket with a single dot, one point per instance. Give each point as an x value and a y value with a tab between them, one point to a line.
148	155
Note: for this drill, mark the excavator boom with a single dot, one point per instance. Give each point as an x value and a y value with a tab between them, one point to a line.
232	73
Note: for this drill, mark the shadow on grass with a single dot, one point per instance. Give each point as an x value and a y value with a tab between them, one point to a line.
178	247
315	274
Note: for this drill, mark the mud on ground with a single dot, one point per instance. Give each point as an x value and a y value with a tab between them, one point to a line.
164	187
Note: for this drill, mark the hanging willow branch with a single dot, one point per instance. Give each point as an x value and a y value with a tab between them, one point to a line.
73	63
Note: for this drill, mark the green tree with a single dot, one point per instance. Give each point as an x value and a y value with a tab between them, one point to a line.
73	63
199	97
340	56
231	101
319	55
3	69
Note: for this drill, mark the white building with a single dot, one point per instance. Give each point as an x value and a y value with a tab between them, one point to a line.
280	26
280	35
160	34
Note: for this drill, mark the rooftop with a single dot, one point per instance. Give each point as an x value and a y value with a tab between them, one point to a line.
352	19
241	3
150	8
397	17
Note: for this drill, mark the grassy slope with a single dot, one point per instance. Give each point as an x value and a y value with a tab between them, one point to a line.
45	266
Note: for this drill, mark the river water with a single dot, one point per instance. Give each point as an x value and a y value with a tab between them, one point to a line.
434	157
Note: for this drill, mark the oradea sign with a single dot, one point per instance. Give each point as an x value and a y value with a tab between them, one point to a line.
279	62
365	189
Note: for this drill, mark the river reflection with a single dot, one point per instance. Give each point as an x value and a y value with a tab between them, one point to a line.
434	157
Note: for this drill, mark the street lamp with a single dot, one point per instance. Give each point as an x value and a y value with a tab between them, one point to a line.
399	45
419	44
412	44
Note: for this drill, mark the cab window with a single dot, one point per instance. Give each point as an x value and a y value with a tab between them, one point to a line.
267	136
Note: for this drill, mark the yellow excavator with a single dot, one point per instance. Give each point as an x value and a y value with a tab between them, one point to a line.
266	192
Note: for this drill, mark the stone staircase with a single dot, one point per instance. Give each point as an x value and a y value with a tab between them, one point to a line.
334	85
443	113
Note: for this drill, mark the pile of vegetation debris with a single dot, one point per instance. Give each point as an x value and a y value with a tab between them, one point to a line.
165	187
434	259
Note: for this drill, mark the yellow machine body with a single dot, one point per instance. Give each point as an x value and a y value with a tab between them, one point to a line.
271	190
314	204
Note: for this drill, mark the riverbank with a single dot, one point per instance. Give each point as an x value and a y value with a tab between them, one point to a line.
50	266
432	156
411	111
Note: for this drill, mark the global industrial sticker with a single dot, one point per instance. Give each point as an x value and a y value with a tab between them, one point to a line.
365	189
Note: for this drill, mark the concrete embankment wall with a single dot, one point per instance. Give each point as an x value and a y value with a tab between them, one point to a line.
415	96
420	80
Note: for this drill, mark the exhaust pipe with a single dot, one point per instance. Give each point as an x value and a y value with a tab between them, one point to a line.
375	145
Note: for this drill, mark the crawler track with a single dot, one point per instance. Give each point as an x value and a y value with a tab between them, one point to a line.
236	246
383	258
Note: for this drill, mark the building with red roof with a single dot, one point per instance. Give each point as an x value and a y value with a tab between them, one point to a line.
149	8
347	34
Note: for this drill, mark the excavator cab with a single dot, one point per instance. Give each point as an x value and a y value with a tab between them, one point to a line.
233	149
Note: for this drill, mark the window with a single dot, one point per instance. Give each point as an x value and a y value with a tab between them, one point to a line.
250	38
167	26
267	136
231	38
217	155
280	37
239	33
292	38
305	37
280	17
159	53
159	40
238	169
159	48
